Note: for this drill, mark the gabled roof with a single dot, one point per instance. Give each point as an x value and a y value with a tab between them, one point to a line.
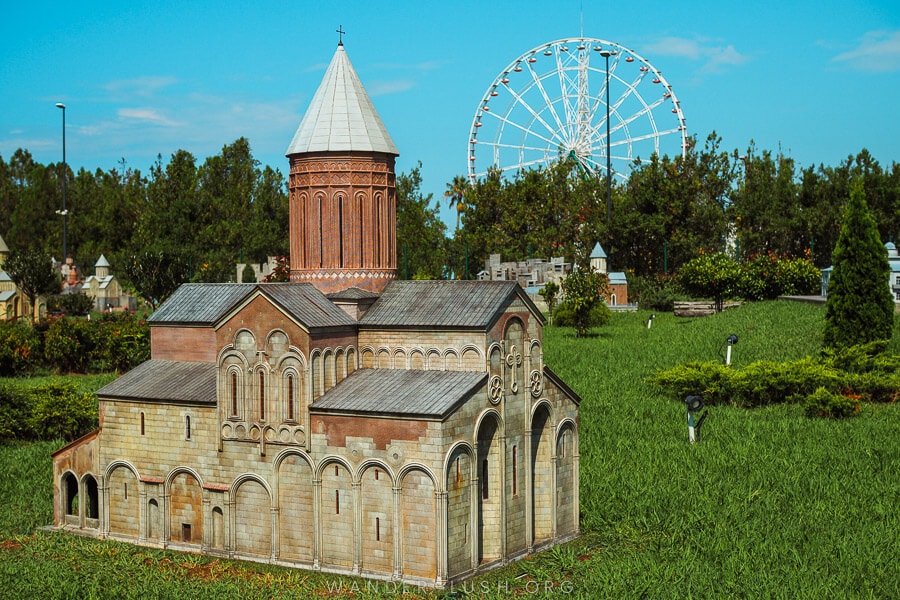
165	381
401	393
617	277
341	117
309	305
444	304
205	304
200	303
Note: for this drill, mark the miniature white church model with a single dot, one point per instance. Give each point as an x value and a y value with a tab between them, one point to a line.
345	422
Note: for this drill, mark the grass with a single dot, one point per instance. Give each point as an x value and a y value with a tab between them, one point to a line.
770	504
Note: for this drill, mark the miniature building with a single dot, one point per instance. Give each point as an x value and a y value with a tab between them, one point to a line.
532	274
401	430
105	289
14	303
618	283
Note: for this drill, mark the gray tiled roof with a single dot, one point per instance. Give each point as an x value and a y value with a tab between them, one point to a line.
165	381
352	293
341	117
442	304
401	393
200	303
205	304
309	305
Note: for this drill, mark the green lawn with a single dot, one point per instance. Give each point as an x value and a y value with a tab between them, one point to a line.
770	504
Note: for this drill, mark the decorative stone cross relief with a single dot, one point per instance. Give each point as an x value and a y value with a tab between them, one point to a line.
514	360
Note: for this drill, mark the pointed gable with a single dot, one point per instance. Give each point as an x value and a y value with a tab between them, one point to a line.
341	117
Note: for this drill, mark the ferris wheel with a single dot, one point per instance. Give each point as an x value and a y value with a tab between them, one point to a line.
574	98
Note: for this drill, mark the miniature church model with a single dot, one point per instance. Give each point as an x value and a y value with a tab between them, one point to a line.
345	422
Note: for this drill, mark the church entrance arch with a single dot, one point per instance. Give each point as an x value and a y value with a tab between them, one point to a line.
490	489
542	475
295	504
253	519
186	509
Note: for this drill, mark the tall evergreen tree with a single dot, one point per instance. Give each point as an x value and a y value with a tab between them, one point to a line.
859	308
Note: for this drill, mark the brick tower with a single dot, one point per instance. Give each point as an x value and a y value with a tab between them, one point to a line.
343	215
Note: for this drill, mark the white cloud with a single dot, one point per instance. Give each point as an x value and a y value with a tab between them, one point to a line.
877	51
382	88
141	86
147	115
715	58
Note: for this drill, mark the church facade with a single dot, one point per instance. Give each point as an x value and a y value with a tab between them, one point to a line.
346	421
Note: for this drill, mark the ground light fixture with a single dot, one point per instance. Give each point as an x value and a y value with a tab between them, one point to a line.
694	404
731	340
650	321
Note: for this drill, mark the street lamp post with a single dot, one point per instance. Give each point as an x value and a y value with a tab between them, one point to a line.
606	54
64	211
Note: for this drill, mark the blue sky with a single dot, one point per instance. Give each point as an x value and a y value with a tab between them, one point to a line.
140	79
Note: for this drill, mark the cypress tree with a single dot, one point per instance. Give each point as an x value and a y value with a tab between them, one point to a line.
860	307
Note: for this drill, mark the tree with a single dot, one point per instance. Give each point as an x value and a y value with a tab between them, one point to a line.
156	274
859	308
584	290
421	240
715	276
549	293
456	193
32	271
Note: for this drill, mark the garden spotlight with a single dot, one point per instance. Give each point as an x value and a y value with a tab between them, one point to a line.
694	404
650	321
731	340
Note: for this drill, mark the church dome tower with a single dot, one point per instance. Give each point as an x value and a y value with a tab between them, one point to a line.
343	208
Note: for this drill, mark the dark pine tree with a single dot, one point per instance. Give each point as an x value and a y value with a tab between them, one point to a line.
860	308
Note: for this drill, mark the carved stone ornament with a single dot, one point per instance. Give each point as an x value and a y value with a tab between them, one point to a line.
537	383
495	389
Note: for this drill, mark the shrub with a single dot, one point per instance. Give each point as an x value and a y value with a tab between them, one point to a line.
59	410
564	316
857	373
15	412
657	293
69	344
767	276
70	304
715	276
19	348
123	342
824	403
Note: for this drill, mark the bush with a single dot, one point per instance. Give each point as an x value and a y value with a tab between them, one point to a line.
858	373
823	403
59	410
70	304
15	411
19	348
715	276
69	344
564	315
657	293
768	276
124	342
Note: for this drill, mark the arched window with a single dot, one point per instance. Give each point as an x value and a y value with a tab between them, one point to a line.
290	397
262	396
234	394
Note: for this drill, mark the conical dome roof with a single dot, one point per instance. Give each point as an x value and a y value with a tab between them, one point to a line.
341	116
